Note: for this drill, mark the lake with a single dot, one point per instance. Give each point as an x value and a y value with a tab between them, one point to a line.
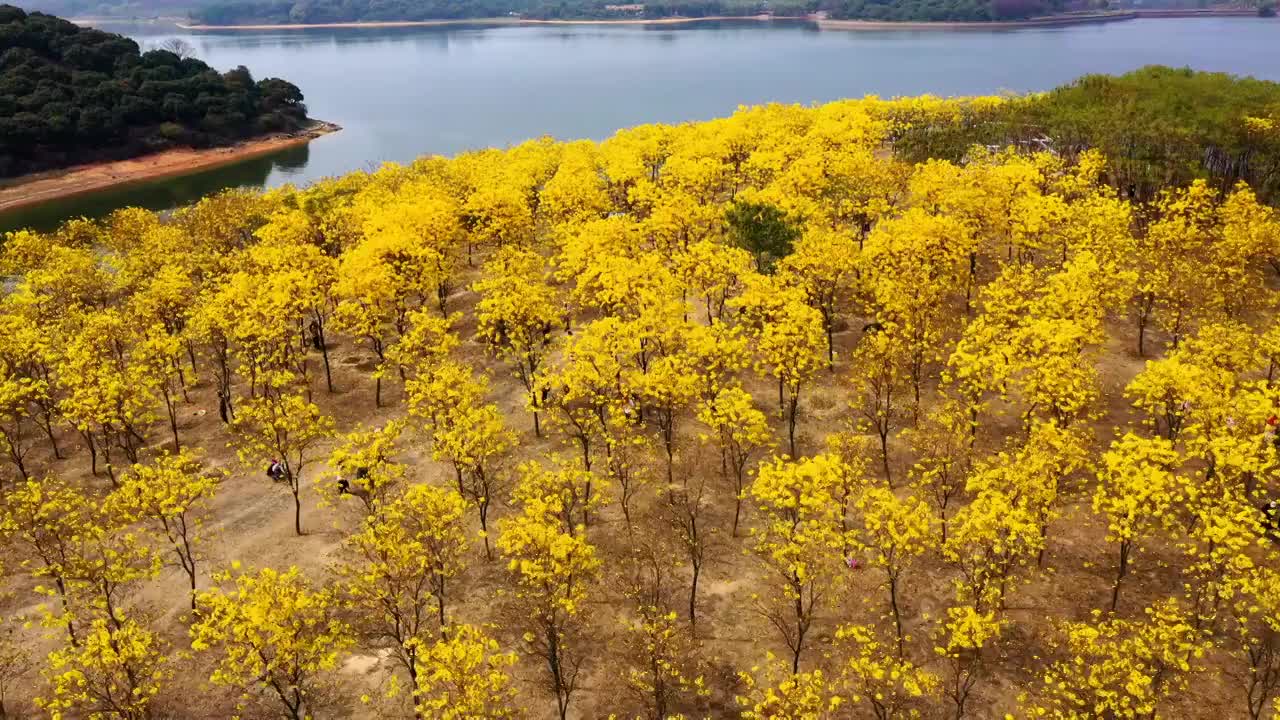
403	92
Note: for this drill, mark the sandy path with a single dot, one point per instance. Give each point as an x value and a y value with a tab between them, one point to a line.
81	179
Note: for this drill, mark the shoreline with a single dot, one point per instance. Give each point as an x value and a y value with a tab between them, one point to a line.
1042	22
498	21
822	22
43	187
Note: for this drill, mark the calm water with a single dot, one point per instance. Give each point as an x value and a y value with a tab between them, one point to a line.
403	92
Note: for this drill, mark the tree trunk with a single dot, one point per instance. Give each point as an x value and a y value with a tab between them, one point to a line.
324	353
173	421
93	452
897	615
693	595
297	510
1120	573
484	526
793	408
884	456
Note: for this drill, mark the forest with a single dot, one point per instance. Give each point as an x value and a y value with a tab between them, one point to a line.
1156	126
772	416
71	95
243	12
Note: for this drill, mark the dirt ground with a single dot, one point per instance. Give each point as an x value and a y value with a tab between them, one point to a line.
251	521
82	179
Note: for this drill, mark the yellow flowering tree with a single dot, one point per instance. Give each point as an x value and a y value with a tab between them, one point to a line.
788	340
464	676
286	429
943	445
823	264
869	673
564	492
105	395
466	431
18	395
775	691
582	391
741	431
685	514
398	567
553	569
896	531
967	640
1137	489
365	458
881	386
1255	634
1121	668
274	632
516	313
800	542
661	671
171	494
115	671
993	543
49	521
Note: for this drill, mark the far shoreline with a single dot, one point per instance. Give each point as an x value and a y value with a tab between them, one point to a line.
822	22
40	188
498	21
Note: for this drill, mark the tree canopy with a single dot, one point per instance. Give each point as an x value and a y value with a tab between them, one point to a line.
70	95
241	12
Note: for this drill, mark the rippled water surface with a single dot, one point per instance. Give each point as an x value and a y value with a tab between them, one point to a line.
402	92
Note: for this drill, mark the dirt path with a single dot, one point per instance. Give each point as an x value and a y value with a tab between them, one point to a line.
81	179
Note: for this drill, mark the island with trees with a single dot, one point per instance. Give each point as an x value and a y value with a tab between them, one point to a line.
71	95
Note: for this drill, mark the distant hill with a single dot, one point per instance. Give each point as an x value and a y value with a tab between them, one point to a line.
112	8
70	95
241	12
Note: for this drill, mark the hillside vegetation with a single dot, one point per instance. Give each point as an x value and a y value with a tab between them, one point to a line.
241	12
752	418
71	95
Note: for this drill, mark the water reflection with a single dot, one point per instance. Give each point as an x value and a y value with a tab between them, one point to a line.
161	194
404	92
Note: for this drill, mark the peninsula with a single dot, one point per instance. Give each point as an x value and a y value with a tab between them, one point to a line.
38	188
75	97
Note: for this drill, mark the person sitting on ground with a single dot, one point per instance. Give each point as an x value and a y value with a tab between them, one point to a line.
276	471
317	339
1271	520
